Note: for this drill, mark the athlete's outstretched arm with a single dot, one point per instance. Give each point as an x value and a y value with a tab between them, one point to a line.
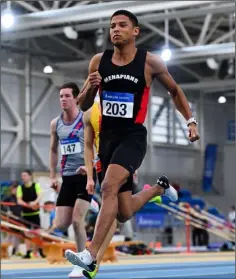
53	157
91	85
160	72
89	151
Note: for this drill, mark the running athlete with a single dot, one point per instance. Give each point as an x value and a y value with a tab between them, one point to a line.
124	76
92	121
67	130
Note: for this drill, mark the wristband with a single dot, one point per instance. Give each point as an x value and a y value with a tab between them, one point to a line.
192	120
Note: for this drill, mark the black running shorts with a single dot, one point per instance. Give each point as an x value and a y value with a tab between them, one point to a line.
73	188
127	151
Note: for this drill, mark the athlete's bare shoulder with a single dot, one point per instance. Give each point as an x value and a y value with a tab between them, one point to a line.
86	117
155	64
98	56
54	124
94	62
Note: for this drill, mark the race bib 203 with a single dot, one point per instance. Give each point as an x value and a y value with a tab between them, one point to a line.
117	104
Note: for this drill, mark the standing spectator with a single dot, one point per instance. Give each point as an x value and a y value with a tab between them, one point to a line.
200	236
15	211
231	215
28	196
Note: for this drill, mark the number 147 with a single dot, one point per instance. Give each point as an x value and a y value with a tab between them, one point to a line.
69	148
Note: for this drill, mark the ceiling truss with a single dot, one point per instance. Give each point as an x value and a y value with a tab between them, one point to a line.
197	29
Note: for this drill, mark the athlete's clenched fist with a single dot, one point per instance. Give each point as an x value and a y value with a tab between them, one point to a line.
95	79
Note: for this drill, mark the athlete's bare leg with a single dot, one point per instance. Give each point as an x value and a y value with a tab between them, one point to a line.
116	175
63	217
78	221
106	243
129	204
66	215
114	178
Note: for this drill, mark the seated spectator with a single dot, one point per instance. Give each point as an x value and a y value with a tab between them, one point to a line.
13	209
231	215
50	207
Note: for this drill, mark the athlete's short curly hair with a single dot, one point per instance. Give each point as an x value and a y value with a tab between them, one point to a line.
130	15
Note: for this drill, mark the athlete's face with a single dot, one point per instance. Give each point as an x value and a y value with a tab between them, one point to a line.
122	30
67	100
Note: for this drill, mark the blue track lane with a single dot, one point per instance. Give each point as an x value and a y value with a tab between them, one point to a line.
199	270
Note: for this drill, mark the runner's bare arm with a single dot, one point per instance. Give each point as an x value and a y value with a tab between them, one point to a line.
53	157
89	90
160	72
88	144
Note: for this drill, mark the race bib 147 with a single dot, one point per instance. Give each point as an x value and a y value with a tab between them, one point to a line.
117	104
70	146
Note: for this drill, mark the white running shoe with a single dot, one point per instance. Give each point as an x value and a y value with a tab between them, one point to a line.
82	259
77	272
170	191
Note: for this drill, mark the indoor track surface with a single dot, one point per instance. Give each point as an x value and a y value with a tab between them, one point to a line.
221	266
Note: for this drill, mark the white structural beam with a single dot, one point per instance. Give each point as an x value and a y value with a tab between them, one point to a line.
198	26
19	72
105	39
74	64
43	161
95	12
27	6
55	5
44	6
223	37
162	33
69	46
46	95
22	73
67	4
216	90
153	17
15	129
230	94
190	72
28	109
13	113
184	31
204	51
41	133
43	60
10	129
204	30
224	84
10	151
145	37
178	56
214	28
82	3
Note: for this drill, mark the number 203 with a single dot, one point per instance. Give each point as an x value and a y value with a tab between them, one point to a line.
115	109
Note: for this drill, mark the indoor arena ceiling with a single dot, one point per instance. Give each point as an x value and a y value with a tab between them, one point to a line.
201	35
